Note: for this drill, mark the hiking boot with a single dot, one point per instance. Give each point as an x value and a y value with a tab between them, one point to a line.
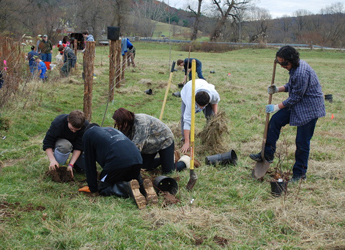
138	197
257	157
151	195
297	178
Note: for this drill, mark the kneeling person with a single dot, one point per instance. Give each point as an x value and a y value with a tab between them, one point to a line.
121	163
63	137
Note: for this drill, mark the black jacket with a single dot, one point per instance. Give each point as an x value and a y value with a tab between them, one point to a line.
59	130
111	149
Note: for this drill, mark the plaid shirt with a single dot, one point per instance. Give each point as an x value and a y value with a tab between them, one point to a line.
305	95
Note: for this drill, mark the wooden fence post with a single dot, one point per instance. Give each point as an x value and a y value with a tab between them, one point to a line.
118	64
88	63
112	63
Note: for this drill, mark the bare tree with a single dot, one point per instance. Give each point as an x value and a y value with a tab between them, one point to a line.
259	21
225	9
197	15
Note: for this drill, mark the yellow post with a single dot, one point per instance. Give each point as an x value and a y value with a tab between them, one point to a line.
193	177
193	116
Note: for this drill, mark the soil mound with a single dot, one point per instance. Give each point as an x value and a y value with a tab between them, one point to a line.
60	175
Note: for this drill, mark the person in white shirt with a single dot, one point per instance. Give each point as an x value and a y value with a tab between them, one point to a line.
206	100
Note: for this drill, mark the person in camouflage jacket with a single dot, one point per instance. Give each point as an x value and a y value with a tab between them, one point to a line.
151	136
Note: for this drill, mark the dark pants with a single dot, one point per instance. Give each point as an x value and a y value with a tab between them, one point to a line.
121	174
303	137
198	71
208	113
46	57
66	68
115	182
166	160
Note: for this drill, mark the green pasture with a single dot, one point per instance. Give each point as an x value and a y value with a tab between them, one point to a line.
227	208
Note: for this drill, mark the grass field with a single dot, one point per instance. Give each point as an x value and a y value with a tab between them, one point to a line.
231	210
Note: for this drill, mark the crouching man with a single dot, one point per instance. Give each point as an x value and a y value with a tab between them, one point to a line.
63	137
121	162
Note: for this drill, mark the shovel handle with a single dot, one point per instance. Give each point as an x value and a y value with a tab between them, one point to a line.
167	90
268	114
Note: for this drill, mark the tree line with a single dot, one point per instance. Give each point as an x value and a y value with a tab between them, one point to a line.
220	20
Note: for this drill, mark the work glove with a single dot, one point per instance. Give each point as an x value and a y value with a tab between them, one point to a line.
272	89
272	108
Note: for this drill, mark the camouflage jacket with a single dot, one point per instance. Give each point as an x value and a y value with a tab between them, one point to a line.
150	135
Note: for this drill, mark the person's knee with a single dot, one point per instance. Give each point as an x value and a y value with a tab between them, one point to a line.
64	146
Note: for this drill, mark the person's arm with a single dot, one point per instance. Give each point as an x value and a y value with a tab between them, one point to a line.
74	158
215	108
53	164
186	146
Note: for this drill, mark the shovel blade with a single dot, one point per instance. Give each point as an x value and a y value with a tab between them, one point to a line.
192	180
260	169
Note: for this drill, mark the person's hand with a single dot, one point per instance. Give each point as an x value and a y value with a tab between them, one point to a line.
70	169
272	108
53	165
185	148
272	89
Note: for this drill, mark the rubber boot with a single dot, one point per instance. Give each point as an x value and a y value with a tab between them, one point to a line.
151	195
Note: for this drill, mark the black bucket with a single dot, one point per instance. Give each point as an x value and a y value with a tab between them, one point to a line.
329	98
149	91
165	184
277	188
222	159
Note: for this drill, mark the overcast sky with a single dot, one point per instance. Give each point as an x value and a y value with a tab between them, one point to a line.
277	8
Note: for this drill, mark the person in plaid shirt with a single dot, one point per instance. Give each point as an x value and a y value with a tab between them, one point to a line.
302	109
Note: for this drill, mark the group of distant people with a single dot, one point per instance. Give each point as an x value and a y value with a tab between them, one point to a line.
40	56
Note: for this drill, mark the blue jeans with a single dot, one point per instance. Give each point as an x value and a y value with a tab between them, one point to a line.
198	71
46	57
303	137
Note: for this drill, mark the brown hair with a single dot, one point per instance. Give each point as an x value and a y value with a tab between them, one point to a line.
179	61
85	32
124	120
76	118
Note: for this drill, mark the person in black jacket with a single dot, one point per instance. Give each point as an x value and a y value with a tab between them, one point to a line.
63	137
121	163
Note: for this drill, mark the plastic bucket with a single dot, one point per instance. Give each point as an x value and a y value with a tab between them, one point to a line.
222	159
60	157
47	64
277	188
165	184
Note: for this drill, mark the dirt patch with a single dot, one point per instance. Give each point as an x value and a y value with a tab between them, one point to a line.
60	175
169	199
220	241
7	210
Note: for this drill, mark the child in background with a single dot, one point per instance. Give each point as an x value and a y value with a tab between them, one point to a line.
41	68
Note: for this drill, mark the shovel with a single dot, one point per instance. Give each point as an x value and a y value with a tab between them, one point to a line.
261	167
193	177
167	90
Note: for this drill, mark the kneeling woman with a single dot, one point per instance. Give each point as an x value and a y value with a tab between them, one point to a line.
151	136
